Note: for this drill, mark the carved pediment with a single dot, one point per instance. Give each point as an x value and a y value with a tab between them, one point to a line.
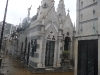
45	5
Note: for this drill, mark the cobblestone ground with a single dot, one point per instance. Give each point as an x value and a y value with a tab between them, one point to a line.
14	67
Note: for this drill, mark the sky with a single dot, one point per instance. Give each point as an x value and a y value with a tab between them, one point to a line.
17	9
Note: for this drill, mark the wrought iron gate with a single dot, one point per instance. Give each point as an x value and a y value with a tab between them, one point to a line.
88	57
49	55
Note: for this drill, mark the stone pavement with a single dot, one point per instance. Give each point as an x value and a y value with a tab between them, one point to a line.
15	67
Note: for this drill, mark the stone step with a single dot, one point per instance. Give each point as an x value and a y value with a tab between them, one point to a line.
49	69
1	74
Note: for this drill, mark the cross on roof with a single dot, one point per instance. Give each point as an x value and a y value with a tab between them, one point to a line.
68	10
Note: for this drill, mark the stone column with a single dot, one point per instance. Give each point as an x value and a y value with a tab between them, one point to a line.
58	56
41	61
76	55
63	43
44	51
59	46
39	65
55	54
70	50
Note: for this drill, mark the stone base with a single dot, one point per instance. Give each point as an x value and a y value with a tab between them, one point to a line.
64	68
39	64
59	69
1	73
36	70
58	65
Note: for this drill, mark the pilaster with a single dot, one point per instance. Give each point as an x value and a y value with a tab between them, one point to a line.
76	55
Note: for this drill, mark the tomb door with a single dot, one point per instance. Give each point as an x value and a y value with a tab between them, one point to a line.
88	57
49	54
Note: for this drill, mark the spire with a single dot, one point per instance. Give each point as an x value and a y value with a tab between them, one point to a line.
74	26
47	3
61	8
45	8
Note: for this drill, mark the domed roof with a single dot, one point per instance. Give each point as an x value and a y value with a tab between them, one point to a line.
25	22
34	18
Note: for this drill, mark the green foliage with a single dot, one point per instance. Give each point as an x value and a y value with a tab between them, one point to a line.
65	54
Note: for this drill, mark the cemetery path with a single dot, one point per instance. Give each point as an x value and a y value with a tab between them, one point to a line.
11	66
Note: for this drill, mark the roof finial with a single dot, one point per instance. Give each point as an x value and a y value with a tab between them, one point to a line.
74	26
20	20
29	11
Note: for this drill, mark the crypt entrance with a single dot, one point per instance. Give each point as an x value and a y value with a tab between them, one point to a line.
51	46
49	54
88	57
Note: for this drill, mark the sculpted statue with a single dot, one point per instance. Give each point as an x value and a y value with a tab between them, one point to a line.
29	11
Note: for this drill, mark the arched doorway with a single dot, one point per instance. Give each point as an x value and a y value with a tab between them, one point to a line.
50	45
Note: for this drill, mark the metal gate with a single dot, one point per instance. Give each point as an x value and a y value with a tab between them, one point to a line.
49	55
88	57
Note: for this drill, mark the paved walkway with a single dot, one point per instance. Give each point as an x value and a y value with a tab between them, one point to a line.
14	67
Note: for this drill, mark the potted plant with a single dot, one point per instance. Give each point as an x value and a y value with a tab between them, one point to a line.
65	55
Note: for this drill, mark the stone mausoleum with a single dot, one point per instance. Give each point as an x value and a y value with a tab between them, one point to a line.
43	38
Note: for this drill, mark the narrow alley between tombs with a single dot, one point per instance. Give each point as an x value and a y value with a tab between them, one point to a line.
12	66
